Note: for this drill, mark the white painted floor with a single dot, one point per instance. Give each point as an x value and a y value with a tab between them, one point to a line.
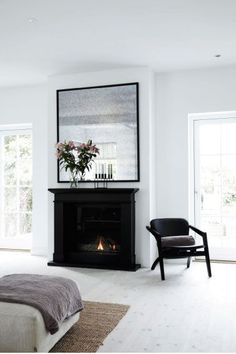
188	312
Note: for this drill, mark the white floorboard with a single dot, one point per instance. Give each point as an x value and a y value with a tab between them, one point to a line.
188	312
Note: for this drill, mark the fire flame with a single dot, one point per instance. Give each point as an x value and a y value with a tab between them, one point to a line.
100	246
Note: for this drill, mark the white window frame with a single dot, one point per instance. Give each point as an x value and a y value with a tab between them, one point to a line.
21	242
192	119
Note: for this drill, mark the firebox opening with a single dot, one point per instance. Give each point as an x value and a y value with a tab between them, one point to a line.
96	229
99	243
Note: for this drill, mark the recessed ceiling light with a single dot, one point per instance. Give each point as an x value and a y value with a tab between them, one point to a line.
217	55
32	20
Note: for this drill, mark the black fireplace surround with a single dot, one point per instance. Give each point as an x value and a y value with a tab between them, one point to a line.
94	228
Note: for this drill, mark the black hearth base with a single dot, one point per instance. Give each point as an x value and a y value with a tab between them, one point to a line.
132	268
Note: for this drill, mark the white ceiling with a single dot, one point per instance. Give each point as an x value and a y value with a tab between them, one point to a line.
86	35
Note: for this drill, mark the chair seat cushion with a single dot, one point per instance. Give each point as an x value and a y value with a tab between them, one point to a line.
171	241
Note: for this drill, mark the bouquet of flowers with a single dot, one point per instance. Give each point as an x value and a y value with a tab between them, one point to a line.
76	157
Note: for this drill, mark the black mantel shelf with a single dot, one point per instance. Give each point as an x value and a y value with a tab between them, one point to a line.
82	216
92	190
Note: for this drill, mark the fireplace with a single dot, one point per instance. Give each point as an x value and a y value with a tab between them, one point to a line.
94	228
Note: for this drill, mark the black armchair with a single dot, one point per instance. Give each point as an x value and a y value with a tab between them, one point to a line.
174	241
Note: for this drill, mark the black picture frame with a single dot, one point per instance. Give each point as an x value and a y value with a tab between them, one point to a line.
109	115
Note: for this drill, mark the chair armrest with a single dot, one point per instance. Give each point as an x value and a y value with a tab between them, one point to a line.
154	232
199	232
156	235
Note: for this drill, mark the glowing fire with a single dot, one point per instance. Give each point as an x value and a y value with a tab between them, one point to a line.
100	246
104	244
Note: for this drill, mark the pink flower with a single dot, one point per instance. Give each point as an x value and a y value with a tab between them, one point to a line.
71	144
75	155
94	149
59	146
58	154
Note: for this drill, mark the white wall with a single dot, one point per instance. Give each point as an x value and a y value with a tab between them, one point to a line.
177	95
29	105
163	139
143	202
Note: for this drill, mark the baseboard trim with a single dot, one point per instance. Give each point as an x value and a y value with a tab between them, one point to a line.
216	261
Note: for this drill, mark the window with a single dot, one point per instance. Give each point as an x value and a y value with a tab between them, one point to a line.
16	188
213	192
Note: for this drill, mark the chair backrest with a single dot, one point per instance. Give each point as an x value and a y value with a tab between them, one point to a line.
170	226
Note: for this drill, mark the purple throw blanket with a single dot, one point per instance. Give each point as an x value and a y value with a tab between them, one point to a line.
56	298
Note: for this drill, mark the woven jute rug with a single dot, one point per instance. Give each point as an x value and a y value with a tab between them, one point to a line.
96	321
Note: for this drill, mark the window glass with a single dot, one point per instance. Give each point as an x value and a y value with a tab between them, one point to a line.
16	185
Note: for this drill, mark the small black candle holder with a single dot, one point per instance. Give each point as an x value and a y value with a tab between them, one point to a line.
104	174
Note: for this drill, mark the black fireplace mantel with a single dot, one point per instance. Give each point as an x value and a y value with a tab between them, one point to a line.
97	191
84	217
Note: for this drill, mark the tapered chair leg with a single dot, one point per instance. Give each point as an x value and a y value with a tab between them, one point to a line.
155	263
208	262
162	268
188	262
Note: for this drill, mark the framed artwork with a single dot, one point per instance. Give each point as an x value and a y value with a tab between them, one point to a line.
109	116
